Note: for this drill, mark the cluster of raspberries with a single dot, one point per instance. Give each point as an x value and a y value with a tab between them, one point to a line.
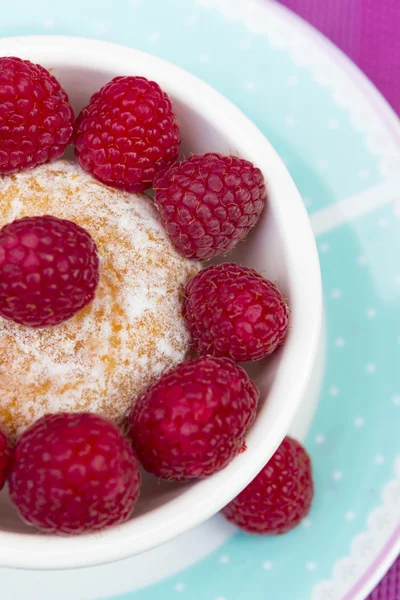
71	472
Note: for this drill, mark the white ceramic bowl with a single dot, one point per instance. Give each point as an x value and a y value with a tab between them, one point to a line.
282	247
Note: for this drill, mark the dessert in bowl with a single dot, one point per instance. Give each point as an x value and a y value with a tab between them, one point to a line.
281	247
103	357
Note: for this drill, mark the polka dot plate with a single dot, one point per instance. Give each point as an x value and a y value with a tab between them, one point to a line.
341	143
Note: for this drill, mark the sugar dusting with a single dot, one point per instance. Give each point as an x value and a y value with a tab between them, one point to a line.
103	357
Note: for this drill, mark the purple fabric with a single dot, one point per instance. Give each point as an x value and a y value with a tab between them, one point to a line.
367	30
389	588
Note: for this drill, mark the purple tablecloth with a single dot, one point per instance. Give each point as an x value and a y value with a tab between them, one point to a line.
389	588
369	32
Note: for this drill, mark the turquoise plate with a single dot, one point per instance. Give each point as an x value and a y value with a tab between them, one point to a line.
341	143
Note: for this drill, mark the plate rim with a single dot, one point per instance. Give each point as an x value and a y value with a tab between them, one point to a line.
385	110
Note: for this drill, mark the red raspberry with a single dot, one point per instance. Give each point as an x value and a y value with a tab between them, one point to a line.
193	421
209	202
49	270
279	497
36	119
6	453
74	473
127	133
232	311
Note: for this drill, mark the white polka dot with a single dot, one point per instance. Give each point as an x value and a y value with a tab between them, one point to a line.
370	368
396	400
219	598
293	80
224	559
101	27
334	391
371	313
48	23
350	516
336	294
362	260
359	422
155	37
383	223
363	173
379	459
323	164
324	247
179	587
319	439
397	279
191	20
249	85
337	475
311	566
333	124
204	57
267	565
290	121
306	523
340	342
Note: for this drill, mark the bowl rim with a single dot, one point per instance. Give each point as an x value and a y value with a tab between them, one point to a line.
36	551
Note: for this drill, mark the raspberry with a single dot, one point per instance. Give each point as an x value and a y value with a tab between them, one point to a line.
74	473
49	270
6	453
209	202
127	133
279	497
193	421
36	119
232	311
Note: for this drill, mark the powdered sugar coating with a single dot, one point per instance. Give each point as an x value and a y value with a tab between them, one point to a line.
104	356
